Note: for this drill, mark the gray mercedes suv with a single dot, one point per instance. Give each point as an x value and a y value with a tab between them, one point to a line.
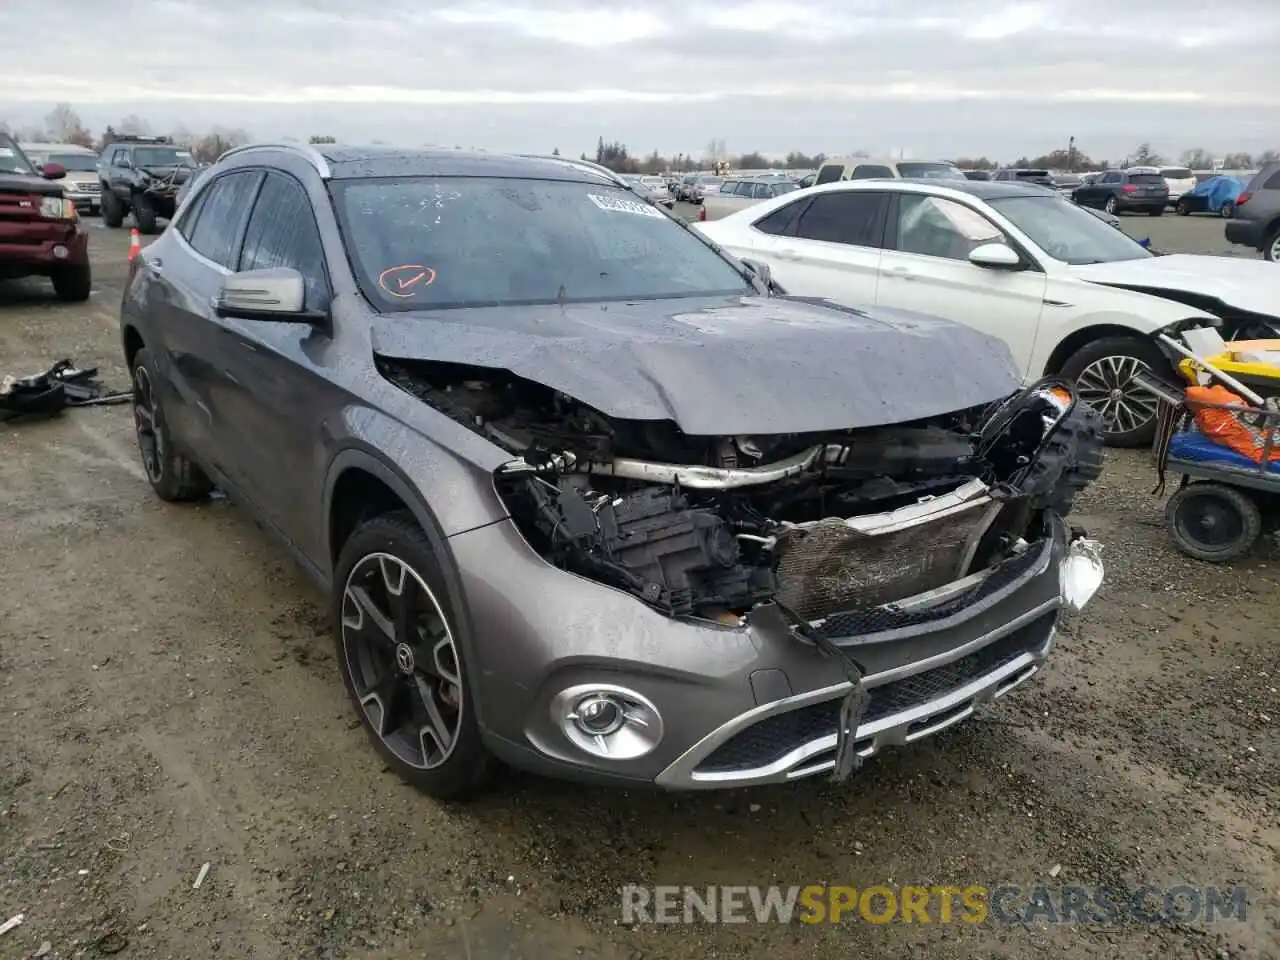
589	496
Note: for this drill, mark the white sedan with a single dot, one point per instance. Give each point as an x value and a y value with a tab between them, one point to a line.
1067	293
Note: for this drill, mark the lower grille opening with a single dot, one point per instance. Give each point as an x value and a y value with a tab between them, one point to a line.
774	737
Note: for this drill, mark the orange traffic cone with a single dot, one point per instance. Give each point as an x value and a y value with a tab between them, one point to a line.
135	244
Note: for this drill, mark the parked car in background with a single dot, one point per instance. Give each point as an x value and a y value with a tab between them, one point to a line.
856	168
1179	180
977	174
1065	184
734	195
41	234
1216	195
693	187
1025	175
80	185
142	176
1124	191
566	471
1070	295
1255	221
656	187
807	180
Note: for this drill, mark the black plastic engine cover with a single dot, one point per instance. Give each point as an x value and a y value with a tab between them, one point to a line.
687	558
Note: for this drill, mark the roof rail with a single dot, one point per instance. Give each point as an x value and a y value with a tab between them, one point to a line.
306	151
586	165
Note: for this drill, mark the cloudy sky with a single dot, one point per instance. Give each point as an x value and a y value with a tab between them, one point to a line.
928	77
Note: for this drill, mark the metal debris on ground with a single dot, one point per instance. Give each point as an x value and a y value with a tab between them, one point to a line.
47	394
204	872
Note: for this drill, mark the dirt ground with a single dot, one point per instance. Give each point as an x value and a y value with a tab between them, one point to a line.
171	700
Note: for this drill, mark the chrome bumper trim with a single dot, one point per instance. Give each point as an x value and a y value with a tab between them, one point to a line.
899	729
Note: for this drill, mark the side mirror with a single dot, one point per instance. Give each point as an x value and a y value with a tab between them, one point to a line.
760	271
277	293
53	171
995	256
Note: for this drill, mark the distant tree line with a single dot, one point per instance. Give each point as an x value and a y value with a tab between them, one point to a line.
63	125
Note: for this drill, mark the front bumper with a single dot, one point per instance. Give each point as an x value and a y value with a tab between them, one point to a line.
40	246
738	705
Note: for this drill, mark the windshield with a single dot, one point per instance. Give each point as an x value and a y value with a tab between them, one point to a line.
429	243
162	157
1067	233
12	160
931	171
74	162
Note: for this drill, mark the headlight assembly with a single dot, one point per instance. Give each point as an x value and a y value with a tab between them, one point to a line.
57	208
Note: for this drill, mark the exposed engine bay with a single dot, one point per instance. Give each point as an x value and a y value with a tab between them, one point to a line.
708	527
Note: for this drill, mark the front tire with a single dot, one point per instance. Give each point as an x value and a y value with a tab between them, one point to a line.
144	214
1110	205
172	476
112	208
1227	211
73	283
1183	209
1156	213
401	658
1103	372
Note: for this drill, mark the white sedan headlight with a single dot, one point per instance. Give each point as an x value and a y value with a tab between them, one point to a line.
57	208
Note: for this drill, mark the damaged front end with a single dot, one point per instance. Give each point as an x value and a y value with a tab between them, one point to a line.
833	536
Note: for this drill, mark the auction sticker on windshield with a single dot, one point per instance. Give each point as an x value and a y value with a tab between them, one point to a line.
622	205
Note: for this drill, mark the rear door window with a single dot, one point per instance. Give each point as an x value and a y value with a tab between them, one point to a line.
781	222
854	217
222	216
870	171
829	174
1272	182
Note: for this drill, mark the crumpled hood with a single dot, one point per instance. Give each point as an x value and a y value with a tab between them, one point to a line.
723	365
20	183
1250	285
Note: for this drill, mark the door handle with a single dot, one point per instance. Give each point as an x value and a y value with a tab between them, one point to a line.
789	253
903	272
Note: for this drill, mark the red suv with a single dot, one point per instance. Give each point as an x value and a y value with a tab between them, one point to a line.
40	232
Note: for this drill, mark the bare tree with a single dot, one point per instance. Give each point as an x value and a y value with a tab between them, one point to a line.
64	126
133	126
212	145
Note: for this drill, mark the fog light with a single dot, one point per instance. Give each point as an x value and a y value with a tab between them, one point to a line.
60	251
607	721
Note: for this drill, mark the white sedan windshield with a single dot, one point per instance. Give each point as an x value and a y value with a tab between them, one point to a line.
1068	233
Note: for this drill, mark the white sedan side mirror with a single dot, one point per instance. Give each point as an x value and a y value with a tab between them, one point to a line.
995	256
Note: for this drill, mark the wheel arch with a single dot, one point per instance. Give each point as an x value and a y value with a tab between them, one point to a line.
1077	339
133	342
355	471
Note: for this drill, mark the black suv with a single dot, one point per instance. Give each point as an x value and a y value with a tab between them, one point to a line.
1255	222
142	175
1120	191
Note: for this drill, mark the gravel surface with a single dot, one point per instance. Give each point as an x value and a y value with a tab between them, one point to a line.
172	701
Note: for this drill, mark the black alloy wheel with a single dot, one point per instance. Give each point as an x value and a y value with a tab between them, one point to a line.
402	661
